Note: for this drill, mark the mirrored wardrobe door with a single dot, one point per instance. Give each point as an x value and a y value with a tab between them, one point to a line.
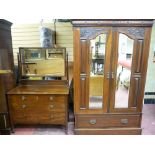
123	73
96	71
94	66
126	76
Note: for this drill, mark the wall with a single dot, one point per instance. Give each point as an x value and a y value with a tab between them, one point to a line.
150	80
29	36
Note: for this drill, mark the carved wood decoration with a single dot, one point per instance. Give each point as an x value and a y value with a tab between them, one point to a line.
133	33
90	33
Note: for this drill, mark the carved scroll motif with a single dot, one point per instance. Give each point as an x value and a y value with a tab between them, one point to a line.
91	32
134	32
139	32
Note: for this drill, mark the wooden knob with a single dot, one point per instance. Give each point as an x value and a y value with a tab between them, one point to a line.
23	106
51	98
51	106
23	97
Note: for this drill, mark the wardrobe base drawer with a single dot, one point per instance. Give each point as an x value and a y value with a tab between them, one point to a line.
107	121
113	131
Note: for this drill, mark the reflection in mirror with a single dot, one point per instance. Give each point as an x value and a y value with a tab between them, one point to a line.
96	62
42	63
125	53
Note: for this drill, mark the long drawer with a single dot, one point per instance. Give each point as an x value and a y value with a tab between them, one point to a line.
107	121
39	118
44	99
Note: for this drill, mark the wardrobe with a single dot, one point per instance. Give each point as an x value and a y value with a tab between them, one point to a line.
7	76
110	65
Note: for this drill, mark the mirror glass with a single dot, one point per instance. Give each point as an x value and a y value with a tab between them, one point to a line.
125	53
42	62
96	62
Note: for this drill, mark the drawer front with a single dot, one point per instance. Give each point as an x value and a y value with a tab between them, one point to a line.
52	118
105	121
51	107
46	99
39	118
38	109
48	103
22	98
24	118
38	102
128	131
19	102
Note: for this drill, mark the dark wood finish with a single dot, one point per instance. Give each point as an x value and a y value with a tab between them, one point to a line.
107	120
6	43
7	81
40	101
39	104
112	22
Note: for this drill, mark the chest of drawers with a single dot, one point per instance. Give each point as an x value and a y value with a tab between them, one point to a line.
39	105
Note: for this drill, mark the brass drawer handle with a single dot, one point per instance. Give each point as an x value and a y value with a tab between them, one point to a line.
92	121
23	106
51	106
83	76
124	121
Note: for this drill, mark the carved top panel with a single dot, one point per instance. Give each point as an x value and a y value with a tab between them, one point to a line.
91	32
133	32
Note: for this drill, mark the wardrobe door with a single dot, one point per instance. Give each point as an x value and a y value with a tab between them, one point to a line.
92	54
129	57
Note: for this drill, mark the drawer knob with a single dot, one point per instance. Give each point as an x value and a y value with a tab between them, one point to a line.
92	121
23	97
51	106
124	121
51	98
23	106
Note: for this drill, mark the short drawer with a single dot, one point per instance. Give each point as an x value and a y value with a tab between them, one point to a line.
107	121
16	100
57	107
46	99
